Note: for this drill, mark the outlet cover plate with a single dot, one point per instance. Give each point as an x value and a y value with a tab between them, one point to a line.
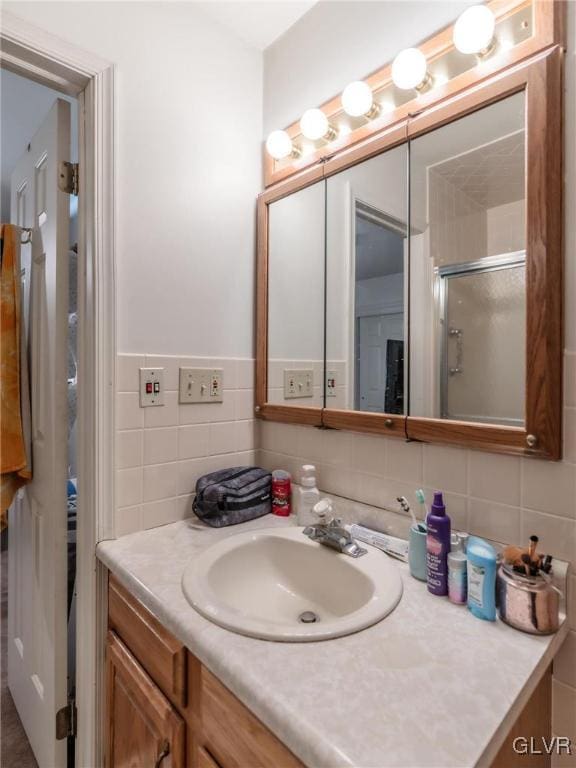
201	385
151	387
330	383
298	383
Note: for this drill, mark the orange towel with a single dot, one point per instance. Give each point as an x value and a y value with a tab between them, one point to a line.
14	462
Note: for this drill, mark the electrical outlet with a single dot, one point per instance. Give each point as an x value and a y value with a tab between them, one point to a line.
298	383
330	383
201	385
151	387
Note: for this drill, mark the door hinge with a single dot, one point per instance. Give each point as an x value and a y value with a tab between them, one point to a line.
68	177
66	721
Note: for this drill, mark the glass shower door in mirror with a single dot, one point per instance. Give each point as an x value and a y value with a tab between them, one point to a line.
296	298
467	267
366	254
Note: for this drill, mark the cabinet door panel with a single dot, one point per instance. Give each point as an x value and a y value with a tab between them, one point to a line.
142	725
205	760
234	735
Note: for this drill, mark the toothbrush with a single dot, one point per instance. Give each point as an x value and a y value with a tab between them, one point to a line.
421	499
403	501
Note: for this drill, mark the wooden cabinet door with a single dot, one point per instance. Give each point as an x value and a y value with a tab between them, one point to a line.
144	730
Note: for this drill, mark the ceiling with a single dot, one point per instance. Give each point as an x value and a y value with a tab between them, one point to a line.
259	22
491	175
379	251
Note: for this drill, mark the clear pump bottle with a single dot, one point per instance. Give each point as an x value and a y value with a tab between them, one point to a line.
308	496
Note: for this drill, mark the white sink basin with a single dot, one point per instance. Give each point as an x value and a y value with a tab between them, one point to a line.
260	583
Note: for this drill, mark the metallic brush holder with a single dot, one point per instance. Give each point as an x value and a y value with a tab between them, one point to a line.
528	603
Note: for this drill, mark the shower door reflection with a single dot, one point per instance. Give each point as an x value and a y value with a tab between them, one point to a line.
483	339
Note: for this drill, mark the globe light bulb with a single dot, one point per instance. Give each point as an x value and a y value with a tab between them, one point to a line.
314	124
409	69
474	30
357	99
279	145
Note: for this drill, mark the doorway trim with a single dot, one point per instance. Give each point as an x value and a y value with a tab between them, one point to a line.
38	55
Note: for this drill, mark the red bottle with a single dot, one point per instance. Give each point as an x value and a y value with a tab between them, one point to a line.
281	493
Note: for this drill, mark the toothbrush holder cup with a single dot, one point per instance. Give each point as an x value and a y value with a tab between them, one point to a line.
417	553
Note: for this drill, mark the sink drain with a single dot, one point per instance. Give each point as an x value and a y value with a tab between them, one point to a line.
308	617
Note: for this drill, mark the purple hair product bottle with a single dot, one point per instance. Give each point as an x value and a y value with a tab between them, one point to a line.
437	546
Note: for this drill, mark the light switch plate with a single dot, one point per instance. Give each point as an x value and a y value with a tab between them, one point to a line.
201	385
298	383
330	383
151	387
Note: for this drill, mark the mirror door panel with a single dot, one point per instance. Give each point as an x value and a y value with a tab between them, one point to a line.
366	287
468	295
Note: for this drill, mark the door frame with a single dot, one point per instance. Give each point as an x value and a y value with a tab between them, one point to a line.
38	55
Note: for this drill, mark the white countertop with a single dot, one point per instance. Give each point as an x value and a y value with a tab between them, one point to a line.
430	685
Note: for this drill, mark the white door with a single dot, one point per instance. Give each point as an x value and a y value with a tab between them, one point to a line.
373	334
37	631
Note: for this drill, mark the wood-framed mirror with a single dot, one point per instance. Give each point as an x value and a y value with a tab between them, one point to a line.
440	246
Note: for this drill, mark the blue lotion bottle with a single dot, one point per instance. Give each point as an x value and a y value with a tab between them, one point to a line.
482	564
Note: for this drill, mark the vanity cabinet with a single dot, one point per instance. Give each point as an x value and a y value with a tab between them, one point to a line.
166	710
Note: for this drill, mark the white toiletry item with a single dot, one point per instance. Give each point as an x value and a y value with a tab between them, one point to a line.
308	496
392	545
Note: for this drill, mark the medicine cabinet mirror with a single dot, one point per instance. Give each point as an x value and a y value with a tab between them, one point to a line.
413	285
468	267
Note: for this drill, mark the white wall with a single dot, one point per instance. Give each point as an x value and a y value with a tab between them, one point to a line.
296	276
189	109
337	42
499	497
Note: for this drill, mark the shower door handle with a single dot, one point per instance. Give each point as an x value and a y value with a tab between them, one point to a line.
456	334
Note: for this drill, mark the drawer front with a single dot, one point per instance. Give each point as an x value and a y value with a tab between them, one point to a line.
161	655
234	736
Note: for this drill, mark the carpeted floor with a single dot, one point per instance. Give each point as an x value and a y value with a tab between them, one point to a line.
15	751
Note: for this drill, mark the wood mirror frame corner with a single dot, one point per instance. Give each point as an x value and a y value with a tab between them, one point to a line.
541	78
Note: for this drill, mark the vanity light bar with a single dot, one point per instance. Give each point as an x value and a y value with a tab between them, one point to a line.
473	34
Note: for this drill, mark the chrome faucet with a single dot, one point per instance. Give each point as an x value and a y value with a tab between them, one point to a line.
332	533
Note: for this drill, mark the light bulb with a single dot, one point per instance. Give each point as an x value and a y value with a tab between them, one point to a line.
279	145
409	69
314	125
357	99
474	30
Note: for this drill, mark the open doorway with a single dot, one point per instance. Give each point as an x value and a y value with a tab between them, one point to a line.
379	319
33	53
39	129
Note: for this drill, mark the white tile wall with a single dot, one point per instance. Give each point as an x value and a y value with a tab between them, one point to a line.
162	451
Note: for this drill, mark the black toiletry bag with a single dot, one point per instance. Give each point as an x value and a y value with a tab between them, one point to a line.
233	495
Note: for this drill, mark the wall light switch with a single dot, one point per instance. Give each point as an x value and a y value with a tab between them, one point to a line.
201	385
330	383
298	383
151	387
